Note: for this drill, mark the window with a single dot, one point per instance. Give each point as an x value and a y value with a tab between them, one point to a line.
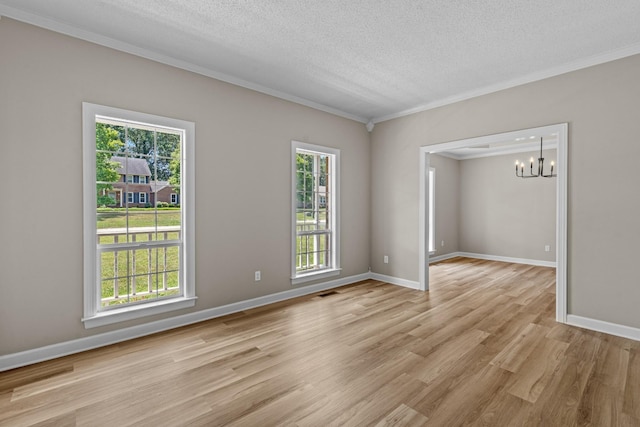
137	262
432	198
315	212
174	199
142	179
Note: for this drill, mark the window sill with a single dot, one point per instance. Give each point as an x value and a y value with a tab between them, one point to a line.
137	311
316	275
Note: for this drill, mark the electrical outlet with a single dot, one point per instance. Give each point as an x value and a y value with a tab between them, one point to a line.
547	248
257	276
386	259
442	243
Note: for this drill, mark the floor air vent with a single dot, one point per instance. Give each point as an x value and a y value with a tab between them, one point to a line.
326	294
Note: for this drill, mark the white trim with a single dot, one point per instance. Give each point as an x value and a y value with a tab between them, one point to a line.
396	281
140	194
59	27
624	52
314	275
130	193
423	214
561	223
490	152
540	263
431	209
90	114
334	196
28	357
537	262
137	311
602	326
561	130
444	257
90	276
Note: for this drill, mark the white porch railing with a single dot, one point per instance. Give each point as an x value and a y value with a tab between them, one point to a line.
135	240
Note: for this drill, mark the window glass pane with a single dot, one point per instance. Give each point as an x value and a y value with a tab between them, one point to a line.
134	275
138	173
313	211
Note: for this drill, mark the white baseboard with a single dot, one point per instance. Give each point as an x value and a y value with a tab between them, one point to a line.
438	258
28	357
396	281
602	326
536	262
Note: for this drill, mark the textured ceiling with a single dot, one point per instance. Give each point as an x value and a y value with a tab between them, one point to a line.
363	59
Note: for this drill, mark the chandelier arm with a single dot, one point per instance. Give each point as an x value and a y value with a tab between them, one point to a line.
531	172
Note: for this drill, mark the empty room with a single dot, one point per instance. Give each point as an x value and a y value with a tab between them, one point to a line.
319	213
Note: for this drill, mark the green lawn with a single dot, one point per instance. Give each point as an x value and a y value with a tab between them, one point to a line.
308	215
138	217
307	244
144	269
153	272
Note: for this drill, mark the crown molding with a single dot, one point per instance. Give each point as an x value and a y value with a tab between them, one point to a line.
613	55
92	37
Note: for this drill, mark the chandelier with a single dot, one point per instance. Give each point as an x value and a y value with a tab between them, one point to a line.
540	172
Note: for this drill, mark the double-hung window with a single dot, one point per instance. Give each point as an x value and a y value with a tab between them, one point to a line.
139	260
315	212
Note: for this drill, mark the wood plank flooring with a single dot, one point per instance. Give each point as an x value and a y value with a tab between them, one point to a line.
481	348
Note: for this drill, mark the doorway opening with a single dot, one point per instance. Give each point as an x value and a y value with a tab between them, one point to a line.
507	142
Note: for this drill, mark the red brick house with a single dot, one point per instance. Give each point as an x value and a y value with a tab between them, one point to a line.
136	188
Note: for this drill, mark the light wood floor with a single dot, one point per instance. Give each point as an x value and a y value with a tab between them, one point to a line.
481	348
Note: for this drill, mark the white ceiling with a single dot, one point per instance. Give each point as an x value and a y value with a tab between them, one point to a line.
362	59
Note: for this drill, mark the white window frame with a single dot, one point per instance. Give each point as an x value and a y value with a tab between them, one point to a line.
333	200
142	195
93	316
173	198
432	210
129	179
130	198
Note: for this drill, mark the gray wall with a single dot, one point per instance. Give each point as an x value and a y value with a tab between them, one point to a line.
447	204
503	215
243	141
600	105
